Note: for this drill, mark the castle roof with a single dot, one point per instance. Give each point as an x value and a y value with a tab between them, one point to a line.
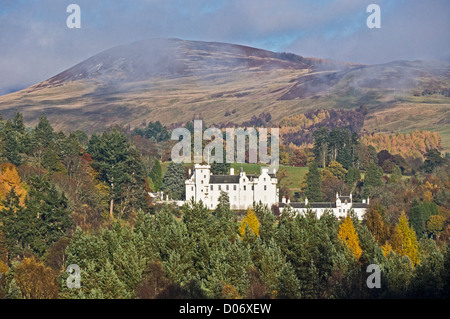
232	179
310	204
224	179
319	205
257	176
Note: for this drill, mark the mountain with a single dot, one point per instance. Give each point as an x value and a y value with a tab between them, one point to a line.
174	80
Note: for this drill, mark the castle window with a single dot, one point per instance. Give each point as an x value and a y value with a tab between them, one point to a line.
253	188
192	188
212	188
202	181
228	187
220	187
234	187
245	188
265	187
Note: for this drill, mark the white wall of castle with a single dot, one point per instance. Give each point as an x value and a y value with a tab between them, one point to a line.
242	195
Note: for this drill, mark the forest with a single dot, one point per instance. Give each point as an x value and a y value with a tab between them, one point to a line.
74	199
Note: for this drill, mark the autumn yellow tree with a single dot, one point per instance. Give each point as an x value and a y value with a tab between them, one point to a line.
9	178
387	249
347	234
229	292
376	225
250	221
404	240
35	280
435	225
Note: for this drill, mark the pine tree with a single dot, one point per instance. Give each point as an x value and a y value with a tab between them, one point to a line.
15	223
313	183
416	218
266	221
119	165
321	146
43	133
288	283
156	175
353	175
226	217
39	223
372	178
51	160
173	181
11	145
3	249
347	234
396	175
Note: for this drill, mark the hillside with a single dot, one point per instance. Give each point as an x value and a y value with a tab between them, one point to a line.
174	80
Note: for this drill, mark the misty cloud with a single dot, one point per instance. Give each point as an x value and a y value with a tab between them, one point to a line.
36	44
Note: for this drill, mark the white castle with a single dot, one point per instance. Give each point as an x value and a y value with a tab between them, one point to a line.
243	190
340	208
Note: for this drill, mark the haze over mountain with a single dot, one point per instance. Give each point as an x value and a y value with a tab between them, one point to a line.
173	80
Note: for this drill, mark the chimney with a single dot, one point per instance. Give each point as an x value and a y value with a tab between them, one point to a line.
306	201
351	199
367	200
283	200
363	201
337	195
232	171
289	201
189	172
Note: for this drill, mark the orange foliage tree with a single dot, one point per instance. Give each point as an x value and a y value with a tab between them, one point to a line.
9	179
35	280
414	144
347	234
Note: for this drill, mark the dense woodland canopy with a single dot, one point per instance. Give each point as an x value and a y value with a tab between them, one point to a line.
78	199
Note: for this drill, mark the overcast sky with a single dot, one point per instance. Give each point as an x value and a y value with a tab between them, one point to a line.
36	44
